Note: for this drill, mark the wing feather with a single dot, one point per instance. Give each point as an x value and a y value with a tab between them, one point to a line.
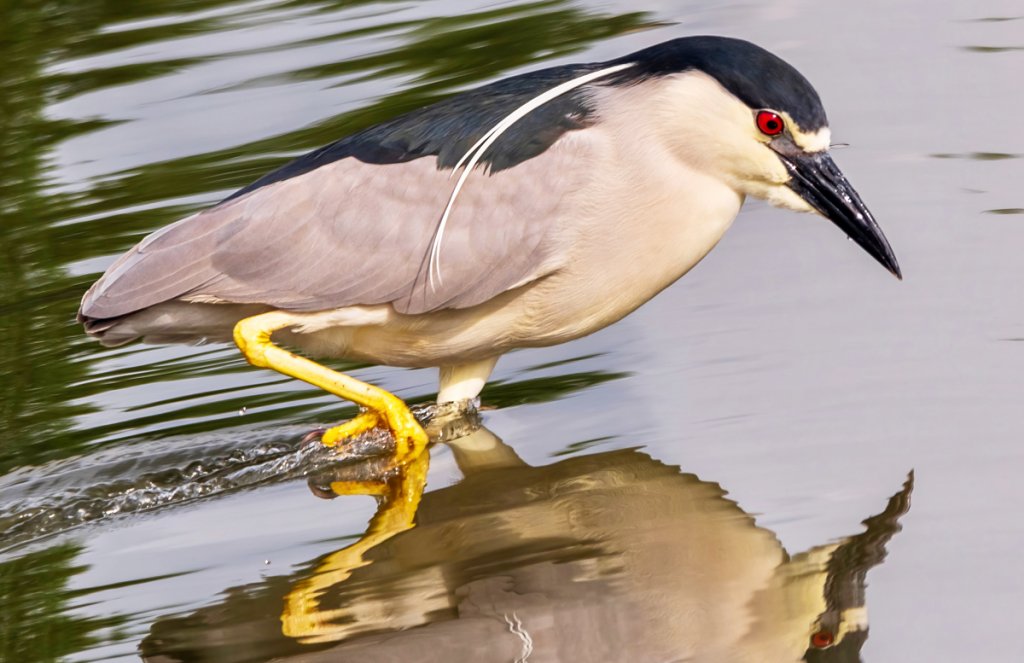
356	233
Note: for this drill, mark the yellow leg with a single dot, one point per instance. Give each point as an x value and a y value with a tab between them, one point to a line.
252	335
302	617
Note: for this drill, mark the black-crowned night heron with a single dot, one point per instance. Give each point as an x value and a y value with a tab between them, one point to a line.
527	212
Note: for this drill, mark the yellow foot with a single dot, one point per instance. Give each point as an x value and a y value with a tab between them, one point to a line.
410	438
362	423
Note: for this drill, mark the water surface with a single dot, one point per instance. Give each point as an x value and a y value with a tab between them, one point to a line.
162	494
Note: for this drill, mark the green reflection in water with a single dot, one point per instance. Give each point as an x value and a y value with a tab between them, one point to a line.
36	622
52	374
37	352
538	390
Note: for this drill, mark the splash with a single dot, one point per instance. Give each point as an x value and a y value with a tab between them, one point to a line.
118	482
115	483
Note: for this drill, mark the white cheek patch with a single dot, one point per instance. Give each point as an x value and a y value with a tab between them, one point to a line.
808	141
819	141
855	618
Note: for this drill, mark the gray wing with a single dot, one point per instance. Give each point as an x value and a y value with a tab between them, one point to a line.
355	233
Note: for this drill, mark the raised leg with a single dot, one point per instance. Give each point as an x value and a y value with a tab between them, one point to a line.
252	335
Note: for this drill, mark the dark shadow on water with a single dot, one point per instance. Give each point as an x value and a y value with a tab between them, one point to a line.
606	557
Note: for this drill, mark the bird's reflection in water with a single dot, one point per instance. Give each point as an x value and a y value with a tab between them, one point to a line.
607	557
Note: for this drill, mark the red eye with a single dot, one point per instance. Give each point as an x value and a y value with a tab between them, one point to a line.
769	123
822	639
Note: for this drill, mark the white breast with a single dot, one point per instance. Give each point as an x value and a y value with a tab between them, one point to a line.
644	220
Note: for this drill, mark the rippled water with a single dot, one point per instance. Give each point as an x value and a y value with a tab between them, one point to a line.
160	502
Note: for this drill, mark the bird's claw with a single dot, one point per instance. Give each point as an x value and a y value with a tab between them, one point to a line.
405	442
363	422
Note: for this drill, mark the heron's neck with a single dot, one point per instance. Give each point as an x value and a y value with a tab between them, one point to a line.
643	220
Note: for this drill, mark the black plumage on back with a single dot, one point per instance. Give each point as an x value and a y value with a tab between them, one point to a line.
449	128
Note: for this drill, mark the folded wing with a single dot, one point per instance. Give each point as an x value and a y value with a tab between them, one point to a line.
356	233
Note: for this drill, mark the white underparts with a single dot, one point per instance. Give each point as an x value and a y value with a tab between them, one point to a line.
464	381
350	316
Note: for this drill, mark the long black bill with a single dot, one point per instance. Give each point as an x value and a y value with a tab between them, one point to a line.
817	179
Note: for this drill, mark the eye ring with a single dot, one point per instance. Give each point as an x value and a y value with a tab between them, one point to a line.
770	123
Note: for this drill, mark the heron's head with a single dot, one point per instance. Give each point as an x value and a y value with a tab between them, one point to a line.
743	115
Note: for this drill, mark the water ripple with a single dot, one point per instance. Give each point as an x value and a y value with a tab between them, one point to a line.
159	474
